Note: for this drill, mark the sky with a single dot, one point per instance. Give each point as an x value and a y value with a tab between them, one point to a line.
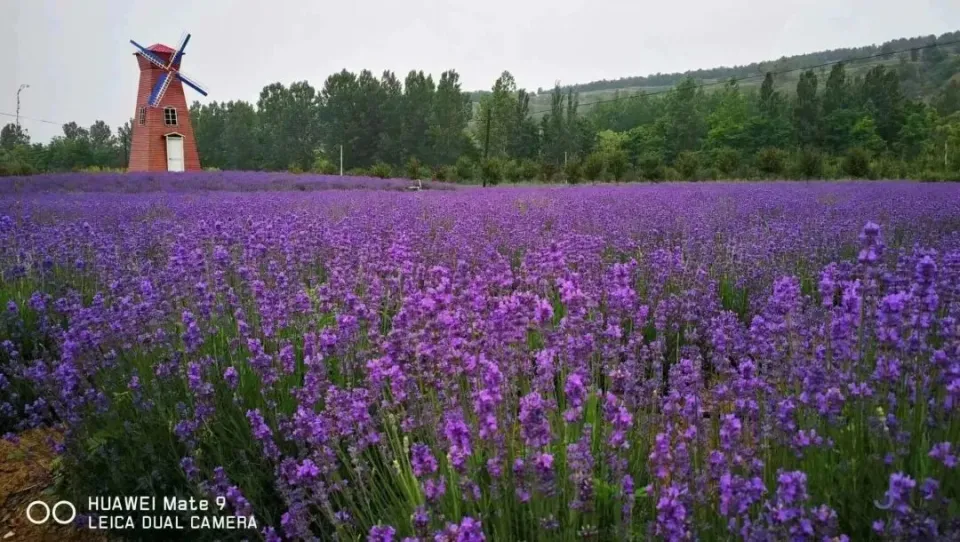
77	59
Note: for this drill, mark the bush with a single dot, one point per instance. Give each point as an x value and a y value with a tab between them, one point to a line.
548	172
414	169
651	167
323	166
358	172
593	166
887	168
529	170
856	163
617	165
771	161
687	164
491	171
381	170
573	171
464	169
512	171
808	164
442	173
726	161
13	164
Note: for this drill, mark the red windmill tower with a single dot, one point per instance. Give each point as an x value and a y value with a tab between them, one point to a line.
162	138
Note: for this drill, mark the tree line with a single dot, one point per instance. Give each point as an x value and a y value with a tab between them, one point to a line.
836	123
785	63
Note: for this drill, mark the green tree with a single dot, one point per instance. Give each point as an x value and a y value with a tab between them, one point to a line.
418	94
771	161
491	171
617	164
464	169
916	132
883	100
856	163
948	102
651	167
806	110
728	122
389	147
449	117
12	135
573	171
125	140
688	165
682	125
593	165
864	135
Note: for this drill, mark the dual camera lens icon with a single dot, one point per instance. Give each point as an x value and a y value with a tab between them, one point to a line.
58	512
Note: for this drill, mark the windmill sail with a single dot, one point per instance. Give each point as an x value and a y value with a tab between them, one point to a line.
159	89
175	59
191	83
145	53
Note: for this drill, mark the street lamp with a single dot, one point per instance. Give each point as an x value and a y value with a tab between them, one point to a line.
19	90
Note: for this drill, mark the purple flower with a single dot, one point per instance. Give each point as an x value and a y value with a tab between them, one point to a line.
422	460
534	423
942	452
381	533
231	377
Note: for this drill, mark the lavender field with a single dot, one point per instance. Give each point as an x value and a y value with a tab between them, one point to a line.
774	361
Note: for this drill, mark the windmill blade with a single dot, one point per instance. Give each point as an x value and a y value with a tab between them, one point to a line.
190	82
159	89
183	45
148	55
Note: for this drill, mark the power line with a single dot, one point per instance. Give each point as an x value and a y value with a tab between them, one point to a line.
31	118
641	94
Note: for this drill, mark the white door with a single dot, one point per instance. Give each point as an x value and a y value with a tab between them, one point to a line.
174	153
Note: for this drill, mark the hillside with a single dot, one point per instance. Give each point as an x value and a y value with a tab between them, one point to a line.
915	82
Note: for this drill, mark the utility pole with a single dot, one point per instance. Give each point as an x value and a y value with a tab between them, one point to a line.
486	145
341	160
19	90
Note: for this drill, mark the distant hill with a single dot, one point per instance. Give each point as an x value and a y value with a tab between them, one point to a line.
607	89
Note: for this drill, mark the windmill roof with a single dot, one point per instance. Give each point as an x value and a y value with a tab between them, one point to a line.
160	48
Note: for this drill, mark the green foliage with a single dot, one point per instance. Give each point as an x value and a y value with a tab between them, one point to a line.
381	170
651	167
16	161
573	171
529	170
687	165
864	135
442	173
617	164
323	166
807	164
548	172
593	166
856	163
491	171
771	161
464	169
511	171
726	160
413	169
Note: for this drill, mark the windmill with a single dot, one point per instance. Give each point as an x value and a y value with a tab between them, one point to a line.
162	137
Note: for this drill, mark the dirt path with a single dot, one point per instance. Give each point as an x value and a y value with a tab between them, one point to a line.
26	476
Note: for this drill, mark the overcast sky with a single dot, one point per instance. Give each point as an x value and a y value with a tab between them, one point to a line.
76	57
